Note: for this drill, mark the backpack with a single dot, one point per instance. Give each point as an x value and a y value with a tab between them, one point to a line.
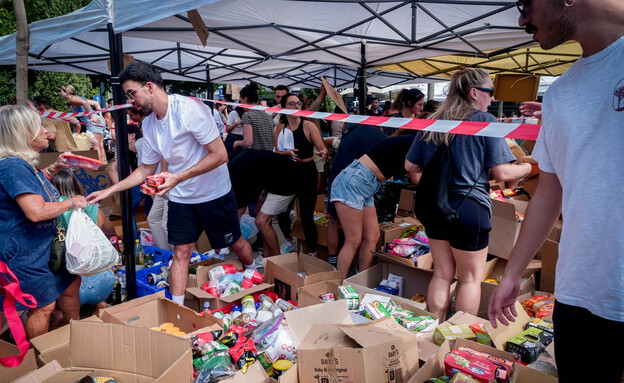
432	200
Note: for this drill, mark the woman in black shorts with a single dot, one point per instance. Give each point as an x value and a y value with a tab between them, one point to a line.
463	243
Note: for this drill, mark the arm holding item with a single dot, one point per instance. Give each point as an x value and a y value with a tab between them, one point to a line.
135	178
542	212
532	109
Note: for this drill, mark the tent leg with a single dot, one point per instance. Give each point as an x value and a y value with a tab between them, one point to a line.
362	79
123	159
209	88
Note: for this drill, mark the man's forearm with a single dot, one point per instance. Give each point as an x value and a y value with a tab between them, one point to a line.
135	178
541	215
208	163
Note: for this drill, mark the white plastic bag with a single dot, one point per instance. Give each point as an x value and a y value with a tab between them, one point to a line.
88	251
146	237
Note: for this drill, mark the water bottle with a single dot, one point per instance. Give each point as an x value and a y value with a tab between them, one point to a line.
248	226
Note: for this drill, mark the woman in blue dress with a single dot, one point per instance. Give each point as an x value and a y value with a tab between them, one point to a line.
29	206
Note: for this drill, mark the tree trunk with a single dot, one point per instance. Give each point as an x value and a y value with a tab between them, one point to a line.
22	47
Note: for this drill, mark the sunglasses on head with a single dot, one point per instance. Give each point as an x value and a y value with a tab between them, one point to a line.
489	90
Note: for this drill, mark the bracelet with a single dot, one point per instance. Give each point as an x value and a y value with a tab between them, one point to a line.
49	170
47	174
72	204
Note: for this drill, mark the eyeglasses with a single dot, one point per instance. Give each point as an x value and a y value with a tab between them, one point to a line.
489	90
294	103
522	6
130	94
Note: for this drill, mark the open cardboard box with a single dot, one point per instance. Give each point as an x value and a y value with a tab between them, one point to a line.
378	351
125	353
195	296
505	227
54	345
498	268
310	295
281	270
255	374
406	200
415	280
29	363
154	310
434	367
390	231
425	261
526	374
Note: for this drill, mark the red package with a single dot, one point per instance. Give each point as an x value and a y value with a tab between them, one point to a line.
154	180
82	161
504	366
147	189
461	361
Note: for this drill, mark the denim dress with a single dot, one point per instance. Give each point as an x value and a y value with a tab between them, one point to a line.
25	245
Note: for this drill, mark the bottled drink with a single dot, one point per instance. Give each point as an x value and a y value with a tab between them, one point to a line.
139	256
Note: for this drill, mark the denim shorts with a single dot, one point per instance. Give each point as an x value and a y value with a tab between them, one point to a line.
96	129
96	288
355	186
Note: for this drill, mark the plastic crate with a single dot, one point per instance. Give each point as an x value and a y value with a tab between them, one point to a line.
159	255
144	288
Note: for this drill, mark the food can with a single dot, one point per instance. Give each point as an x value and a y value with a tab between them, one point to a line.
254	276
264	297
247	284
329	297
97	379
284	305
249	306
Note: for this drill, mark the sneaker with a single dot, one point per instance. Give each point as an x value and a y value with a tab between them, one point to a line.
288	246
225	251
258	262
213	254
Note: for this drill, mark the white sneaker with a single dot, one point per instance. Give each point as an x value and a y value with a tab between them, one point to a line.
258	262
213	254
288	246
225	251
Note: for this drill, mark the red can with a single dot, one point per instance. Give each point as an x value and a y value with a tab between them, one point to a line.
246	283
254	276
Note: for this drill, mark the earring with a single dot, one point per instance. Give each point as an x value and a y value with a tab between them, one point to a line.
569	4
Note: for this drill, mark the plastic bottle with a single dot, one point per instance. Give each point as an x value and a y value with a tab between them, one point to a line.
206	307
248	226
139	256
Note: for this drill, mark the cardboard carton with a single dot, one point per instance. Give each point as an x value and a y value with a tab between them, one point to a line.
154	310
322	252
505	227
255	374
53	372
310	295
378	351
526	374
29	363
550	255
425	261
406	200
390	231
321	232
498	268
434	367
54	345
282	270
195	296
415	280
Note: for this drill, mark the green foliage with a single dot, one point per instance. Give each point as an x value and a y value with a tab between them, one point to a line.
7	86
49	84
36	10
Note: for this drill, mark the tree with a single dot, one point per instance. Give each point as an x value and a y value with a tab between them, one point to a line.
619	93
22	45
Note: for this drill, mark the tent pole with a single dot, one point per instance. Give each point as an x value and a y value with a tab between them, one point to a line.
430	91
362	78
123	159
209	88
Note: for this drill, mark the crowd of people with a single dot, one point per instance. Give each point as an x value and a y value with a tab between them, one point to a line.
222	162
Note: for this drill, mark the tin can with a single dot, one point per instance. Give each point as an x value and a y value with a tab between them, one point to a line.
249	306
97	379
154	278
247	284
284	305
265	298
329	297
242	319
254	276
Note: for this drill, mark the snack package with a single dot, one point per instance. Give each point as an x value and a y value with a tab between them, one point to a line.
275	334
482	335
463	378
460	361
82	161
504	366
529	344
539	306
147	189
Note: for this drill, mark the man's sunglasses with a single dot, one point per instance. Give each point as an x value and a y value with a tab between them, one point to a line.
522	6
489	90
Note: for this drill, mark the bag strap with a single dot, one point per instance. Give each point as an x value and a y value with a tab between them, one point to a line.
12	292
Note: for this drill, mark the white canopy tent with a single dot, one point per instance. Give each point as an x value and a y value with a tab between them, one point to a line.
273	41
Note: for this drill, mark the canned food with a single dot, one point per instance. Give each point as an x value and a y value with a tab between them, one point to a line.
329	297
284	305
154	278
254	276
246	284
264	297
97	379
249	305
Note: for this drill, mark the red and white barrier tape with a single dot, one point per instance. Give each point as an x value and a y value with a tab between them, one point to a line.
472	128
80	114
74	122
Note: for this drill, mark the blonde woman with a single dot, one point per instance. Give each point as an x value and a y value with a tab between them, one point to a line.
27	223
463	243
94	123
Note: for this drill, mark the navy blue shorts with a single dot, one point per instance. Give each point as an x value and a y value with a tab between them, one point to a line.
219	218
470	232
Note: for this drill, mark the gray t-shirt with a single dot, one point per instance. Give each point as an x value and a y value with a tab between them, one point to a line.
262	125
473	156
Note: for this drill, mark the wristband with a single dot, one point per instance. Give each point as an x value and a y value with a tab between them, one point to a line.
47	174
72	204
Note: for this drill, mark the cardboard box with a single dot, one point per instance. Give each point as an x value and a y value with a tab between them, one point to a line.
53	372
255	374
495	272
524	374
505	227
154	310
378	351
434	367
390	231
125	353
29	363
322	252
195	296
54	345
321	232
550	255
415	280
425	261
282	270
406	199
319	207
310	295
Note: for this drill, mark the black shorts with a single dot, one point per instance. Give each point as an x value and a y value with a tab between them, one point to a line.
219	218
470	232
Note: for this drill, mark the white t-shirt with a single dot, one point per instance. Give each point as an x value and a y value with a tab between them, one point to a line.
581	142
218	120
179	138
233	117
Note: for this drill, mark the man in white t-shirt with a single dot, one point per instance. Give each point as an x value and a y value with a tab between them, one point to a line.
579	150
182	131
